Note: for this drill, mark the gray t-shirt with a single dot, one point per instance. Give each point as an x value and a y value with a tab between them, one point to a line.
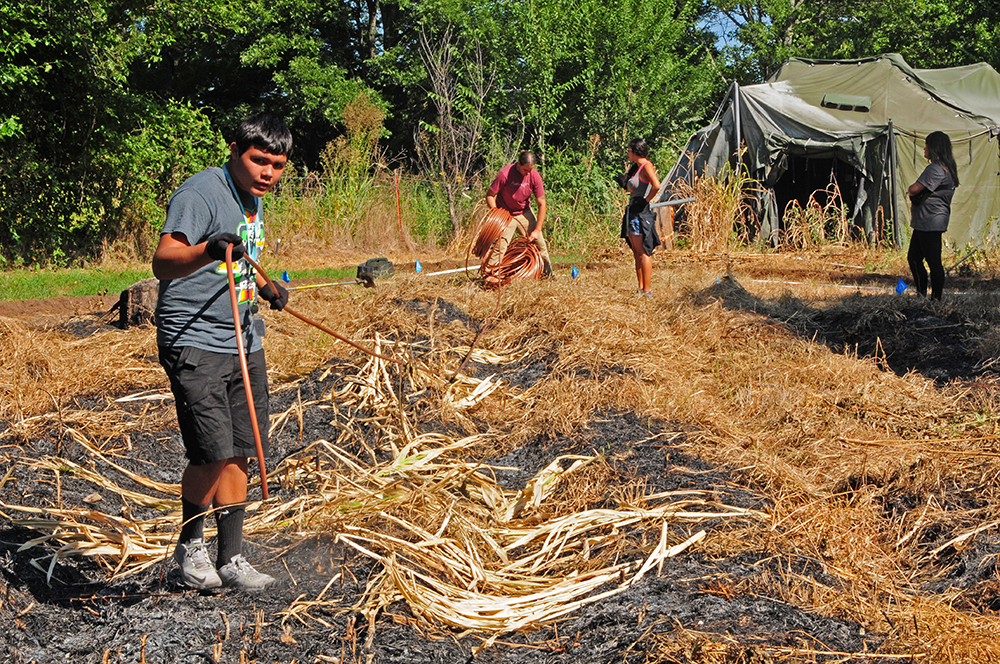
934	212
196	310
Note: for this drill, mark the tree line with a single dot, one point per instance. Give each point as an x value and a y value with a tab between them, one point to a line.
107	105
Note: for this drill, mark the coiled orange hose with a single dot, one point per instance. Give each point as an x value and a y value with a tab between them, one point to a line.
522	259
490	229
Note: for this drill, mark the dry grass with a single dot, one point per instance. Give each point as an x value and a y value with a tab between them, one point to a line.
817	223
720	218
43	370
880	480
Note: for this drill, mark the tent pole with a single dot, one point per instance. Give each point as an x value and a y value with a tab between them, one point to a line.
897	239
736	106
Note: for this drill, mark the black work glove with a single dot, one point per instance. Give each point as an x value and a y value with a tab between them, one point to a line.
278	300
216	245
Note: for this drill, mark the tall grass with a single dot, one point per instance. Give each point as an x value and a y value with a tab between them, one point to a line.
335	211
721	216
726	215
351	201
817	223
358	203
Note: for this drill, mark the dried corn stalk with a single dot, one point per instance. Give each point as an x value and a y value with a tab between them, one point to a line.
457	546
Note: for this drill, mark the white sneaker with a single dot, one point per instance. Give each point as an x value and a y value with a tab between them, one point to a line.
240	574
197	570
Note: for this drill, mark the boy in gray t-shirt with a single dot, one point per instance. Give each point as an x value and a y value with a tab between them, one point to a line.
213	209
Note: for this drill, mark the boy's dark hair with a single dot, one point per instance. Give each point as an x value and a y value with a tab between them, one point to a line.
526	158
639	148
264	132
939	145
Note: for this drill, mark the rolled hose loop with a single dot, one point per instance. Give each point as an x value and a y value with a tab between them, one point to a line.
490	229
522	259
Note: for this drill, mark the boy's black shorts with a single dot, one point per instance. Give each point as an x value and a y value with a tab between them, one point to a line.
212	404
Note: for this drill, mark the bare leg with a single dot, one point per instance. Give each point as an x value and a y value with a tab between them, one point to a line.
643	264
233	482
223	482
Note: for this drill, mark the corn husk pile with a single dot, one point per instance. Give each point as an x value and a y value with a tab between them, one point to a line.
463	552
471	555
457	547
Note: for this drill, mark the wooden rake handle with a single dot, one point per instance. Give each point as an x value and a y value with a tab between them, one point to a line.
244	370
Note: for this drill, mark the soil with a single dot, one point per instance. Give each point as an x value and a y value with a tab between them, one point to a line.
57	308
696	599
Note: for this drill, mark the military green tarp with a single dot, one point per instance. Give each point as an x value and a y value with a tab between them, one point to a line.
863	124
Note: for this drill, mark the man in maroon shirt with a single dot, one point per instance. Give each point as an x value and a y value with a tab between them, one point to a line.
511	190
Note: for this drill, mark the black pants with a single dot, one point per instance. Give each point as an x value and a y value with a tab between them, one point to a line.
926	246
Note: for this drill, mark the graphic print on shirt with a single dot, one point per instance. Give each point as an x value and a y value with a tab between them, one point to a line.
251	231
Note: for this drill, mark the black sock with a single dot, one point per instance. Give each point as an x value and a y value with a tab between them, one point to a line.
229	519
194	521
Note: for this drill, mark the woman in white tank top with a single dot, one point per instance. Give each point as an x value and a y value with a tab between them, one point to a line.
639	222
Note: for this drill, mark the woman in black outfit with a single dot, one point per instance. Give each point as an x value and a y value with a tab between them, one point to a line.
931	197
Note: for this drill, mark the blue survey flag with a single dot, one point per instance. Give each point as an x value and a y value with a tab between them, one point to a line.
575	272
285	277
417	266
900	286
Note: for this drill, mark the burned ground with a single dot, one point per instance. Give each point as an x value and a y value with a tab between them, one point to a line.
764	597
79	616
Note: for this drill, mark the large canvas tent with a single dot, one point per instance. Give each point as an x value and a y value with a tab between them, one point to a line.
861	123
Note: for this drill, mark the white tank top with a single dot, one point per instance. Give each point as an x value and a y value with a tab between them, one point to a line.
636	182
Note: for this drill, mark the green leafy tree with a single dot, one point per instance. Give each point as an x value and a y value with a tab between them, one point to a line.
928	33
65	77
302	59
561	72
545	36
451	146
106	106
647	71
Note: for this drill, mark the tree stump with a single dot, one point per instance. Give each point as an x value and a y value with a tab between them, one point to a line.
137	303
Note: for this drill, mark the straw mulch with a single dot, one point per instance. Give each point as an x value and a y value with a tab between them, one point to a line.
461	550
885	484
